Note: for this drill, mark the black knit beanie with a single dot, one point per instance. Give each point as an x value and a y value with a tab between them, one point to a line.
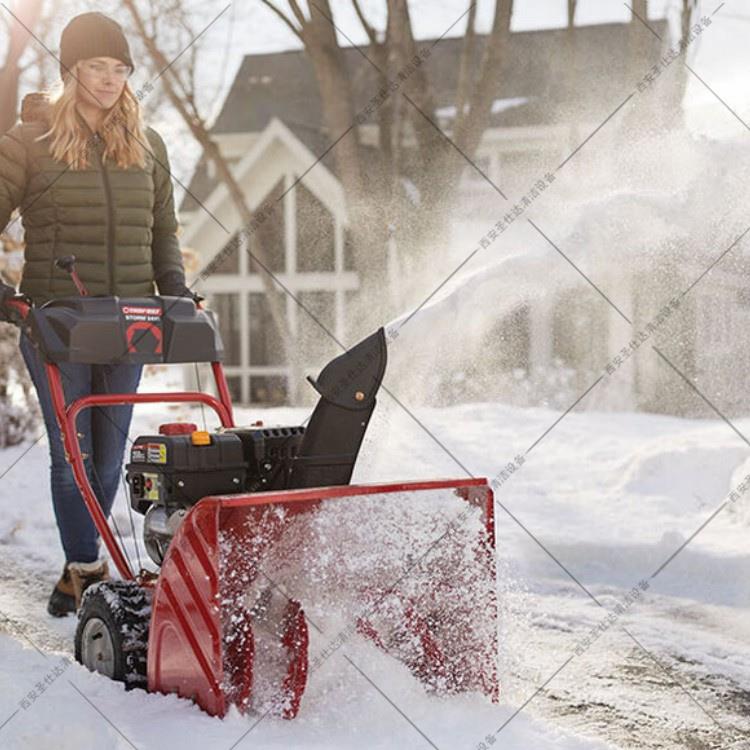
92	35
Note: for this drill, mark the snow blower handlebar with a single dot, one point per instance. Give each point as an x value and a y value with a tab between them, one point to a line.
14	307
19	310
68	264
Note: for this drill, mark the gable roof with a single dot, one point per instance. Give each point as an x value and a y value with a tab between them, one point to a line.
321	181
535	85
283	85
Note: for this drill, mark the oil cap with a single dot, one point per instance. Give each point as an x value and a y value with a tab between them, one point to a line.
201	438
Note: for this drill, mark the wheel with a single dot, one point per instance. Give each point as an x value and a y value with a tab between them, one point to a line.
112	633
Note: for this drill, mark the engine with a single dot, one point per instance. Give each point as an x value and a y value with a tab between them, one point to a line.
170	472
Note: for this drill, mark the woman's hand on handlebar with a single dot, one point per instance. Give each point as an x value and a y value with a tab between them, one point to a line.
6	291
13	306
173	284
187	293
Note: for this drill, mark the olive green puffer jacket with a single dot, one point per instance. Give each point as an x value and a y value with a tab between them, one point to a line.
119	223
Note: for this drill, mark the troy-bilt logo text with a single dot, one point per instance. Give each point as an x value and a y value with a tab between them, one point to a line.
141	313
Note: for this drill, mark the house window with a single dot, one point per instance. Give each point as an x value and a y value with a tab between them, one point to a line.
580	330
482	163
349	261
717	318
266	345
234	382
268	389
316	236
510	339
227	309
230	257
513	162
315	340
269	233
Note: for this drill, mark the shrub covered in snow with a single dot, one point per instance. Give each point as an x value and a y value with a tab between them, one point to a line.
19	410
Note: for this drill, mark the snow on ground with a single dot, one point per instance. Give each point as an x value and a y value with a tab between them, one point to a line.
342	710
611	496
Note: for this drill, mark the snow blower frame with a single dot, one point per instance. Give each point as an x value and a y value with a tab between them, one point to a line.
169	631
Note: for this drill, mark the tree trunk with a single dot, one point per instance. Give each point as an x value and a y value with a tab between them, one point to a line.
365	197
677	78
572	13
471	125
29	13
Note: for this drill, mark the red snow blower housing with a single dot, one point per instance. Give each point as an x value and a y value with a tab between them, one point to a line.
255	532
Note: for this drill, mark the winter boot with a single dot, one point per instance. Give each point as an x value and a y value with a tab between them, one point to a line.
76	578
84	575
62	601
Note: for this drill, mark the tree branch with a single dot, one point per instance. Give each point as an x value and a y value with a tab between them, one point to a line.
418	84
283	17
370	30
572	5
467	61
300	16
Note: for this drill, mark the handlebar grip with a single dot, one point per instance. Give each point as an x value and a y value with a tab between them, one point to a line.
20	305
66	263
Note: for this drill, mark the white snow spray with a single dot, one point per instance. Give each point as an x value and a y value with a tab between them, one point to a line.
533	317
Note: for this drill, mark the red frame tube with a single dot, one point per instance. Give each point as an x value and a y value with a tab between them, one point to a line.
67	415
79	284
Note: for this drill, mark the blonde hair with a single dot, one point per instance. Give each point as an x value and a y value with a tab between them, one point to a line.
122	129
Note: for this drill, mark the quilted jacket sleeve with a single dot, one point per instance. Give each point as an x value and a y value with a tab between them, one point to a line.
13	172
165	248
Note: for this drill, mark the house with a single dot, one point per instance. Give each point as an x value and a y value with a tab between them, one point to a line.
311	212
552	91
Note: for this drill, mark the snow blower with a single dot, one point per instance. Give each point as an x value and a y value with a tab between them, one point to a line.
256	534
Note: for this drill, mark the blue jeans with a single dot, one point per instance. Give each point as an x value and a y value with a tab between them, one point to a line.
105	433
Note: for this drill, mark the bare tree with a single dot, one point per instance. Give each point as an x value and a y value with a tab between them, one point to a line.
406	117
19	411
19	38
376	197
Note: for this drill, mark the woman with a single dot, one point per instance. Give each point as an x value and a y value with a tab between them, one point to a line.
91	181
